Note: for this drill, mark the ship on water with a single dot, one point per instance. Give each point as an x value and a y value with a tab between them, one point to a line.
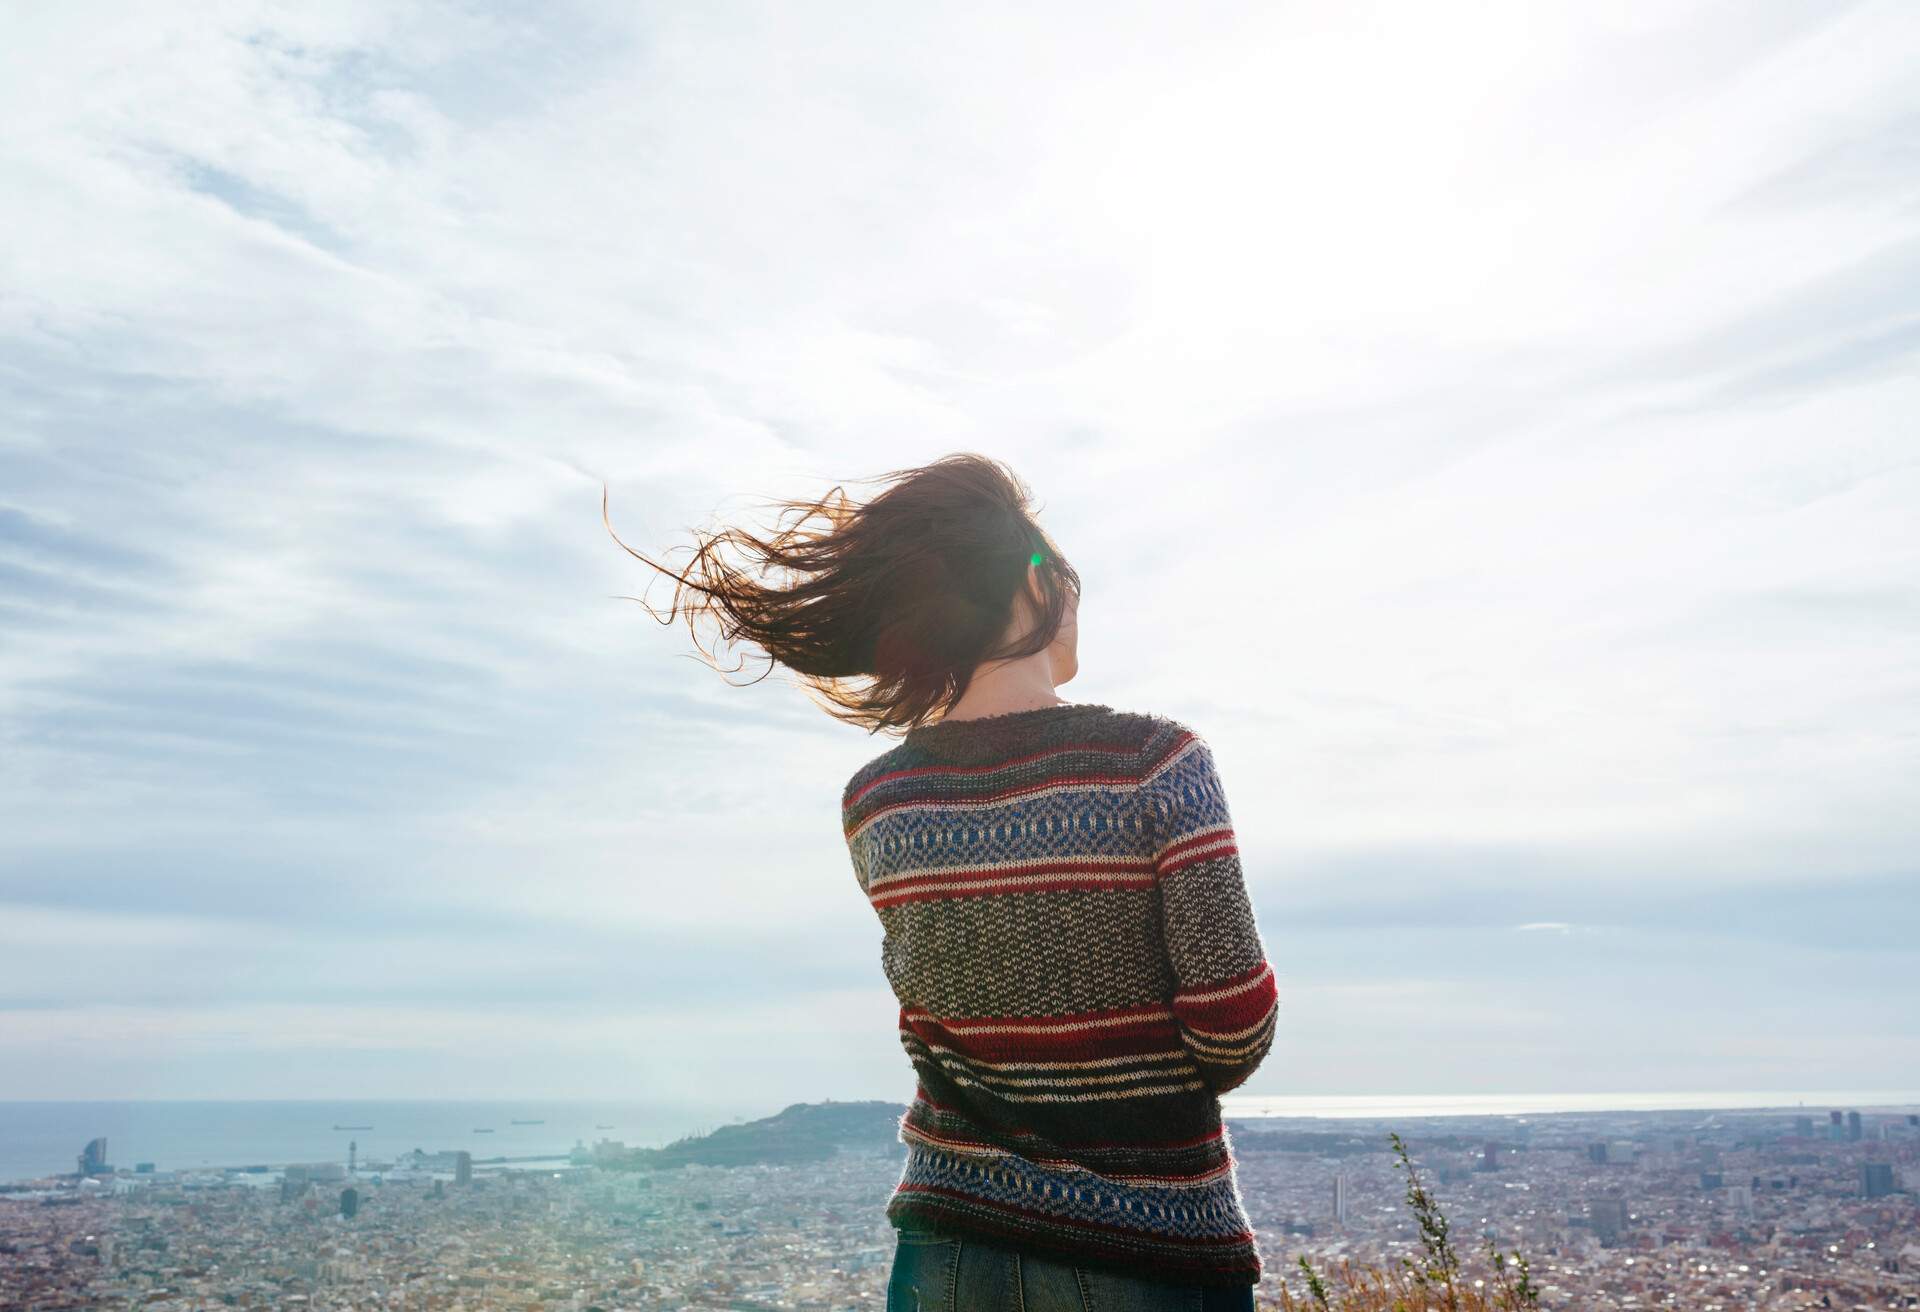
480	1131
603	1127
529	1122
353	1127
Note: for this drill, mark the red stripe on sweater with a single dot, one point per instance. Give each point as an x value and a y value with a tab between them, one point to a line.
1236	1011
1211	851
921	771
1064	1018
1179	745
1088	865
1207	838
1246	976
1141	1036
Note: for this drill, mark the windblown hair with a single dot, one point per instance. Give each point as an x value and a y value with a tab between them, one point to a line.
883	609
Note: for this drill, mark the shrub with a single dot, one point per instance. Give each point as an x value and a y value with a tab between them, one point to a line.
1434	1282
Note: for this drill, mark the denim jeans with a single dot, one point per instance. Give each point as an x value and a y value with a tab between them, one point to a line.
939	1273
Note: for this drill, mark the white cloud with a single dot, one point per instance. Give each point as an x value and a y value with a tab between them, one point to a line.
1490	427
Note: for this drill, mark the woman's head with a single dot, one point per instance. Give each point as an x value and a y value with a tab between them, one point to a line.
884	608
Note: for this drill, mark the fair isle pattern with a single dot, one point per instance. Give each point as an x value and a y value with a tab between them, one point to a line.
1080	976
1174	1233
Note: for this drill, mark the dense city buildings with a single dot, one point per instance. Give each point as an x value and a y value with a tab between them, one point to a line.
1695	1210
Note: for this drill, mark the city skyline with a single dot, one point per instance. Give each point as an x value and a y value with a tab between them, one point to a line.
1610	1210
1490	430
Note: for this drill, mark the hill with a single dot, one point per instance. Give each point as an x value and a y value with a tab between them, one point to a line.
804	1132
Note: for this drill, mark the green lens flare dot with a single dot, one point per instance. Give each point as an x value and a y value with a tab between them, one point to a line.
1037	558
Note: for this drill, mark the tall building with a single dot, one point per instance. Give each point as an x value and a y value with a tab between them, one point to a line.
1340	1201
1490	1156
1876	1179
93	1158
349	1202
353	1151
1609	1218
1740	1198
1836	1127
1853	1125
1597	1153
463	1167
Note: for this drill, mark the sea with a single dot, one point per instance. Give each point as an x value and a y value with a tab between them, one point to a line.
45	1138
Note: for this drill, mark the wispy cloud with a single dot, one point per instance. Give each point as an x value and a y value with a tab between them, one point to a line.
1493	429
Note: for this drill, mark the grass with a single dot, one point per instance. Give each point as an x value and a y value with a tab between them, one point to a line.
1433	1282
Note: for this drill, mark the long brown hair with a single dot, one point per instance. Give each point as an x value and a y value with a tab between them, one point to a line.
888	608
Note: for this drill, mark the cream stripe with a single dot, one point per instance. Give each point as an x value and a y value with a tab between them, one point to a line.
1232	990
908	1132
888	809
958	1062
1141	880
1160	1182
1201	1044
1217	836
1062	1027
1081	859
1170	1054
1208	851
1228	1036
1193	745
1143	1092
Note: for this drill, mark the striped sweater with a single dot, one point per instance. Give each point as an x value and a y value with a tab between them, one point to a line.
1080	976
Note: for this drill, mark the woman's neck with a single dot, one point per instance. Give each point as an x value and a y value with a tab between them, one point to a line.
1000	696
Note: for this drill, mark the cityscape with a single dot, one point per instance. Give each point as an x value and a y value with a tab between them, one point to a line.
1769	1209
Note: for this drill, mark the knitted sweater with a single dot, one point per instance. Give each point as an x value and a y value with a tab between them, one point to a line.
1079	975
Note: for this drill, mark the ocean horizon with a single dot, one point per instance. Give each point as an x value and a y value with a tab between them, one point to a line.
41	1138
1425	1106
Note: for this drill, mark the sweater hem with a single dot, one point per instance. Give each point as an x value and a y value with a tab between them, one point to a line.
957	1220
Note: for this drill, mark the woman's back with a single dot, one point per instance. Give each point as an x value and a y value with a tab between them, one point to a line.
1080	976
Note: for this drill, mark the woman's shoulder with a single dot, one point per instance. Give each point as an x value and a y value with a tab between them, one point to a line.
1151	738
1160	733
1154	722
857	784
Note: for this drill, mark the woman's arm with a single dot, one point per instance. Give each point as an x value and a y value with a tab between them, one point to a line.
1225	998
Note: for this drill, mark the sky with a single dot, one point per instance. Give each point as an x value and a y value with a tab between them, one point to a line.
1492	427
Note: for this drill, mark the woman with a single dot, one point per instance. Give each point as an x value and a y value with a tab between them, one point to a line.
1066	924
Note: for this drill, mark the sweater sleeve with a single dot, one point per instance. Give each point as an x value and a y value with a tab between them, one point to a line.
1225	1000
